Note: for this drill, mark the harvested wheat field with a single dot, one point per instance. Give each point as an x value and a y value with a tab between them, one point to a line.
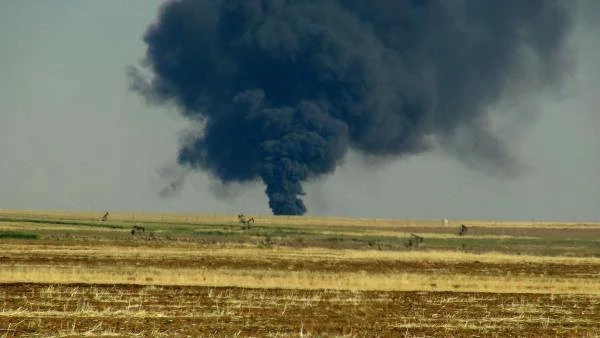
83	309
72	274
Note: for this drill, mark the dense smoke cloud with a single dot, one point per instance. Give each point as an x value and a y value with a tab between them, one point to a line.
285	87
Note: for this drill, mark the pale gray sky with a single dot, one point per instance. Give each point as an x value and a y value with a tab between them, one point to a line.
72	137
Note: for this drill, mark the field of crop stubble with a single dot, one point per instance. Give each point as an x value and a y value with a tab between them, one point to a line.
71	274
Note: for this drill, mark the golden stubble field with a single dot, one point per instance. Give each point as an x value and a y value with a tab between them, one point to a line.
71	274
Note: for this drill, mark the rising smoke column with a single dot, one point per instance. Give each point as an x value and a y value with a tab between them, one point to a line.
285	87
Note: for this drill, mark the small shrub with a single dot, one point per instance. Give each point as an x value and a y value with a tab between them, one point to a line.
267	243
335	239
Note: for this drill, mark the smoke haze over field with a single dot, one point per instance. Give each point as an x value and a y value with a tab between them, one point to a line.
285	88
73	137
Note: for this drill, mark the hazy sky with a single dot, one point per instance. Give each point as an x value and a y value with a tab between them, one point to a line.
72	137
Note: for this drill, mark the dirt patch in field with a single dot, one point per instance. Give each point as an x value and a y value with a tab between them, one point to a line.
43	309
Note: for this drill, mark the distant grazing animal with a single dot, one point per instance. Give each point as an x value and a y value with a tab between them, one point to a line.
137	229
415	240
245	221
463	230
105	217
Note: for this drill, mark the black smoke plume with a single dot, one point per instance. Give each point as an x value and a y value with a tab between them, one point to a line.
285	87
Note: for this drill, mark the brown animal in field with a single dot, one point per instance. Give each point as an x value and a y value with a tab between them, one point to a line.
137	229
415	240
245	221
105	217
463	230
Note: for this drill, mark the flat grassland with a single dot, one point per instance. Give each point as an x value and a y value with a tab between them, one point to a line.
72	274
